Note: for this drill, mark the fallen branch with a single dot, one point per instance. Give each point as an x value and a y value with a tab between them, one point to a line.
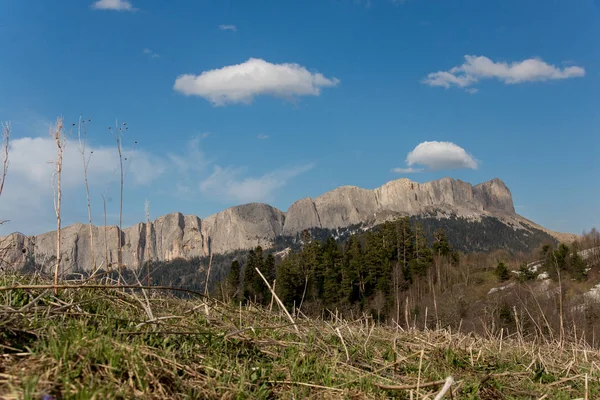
410	387
278	301
447	385
312	385
33	287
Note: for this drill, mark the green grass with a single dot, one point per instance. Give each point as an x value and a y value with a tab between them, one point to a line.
85	343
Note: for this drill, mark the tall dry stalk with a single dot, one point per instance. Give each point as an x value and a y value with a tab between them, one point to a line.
208	273
108	265
60	140
560	303
86	162
148	238
118	134
5	145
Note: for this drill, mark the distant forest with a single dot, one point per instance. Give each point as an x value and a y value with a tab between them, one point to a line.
402	272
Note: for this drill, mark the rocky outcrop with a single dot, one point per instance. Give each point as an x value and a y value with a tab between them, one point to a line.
349	205
242	227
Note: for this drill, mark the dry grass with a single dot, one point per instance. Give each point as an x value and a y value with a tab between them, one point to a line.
98	341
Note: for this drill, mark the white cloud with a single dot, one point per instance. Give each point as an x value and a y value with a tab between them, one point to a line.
151	53
262	136
116	5
406	170
438	156
242	82
231	28
230	183
477	68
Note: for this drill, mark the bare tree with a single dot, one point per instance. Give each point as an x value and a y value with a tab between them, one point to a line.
86	162
60	140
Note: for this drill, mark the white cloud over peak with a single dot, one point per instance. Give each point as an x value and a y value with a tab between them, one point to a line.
406	170
476	68
231	28
230	183
438	156
242	82
116	5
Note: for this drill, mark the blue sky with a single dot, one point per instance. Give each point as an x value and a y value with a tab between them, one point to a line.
235	101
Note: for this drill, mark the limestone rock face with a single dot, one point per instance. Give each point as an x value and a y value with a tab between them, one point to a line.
184	236
301	215
243	227
495	195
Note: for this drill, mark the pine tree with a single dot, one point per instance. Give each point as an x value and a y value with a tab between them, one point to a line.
577	266
502	272
254	287
332	276
290	282
351	288
269	268
232	282
422	258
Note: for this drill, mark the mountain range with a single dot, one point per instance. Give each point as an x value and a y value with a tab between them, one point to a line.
243	227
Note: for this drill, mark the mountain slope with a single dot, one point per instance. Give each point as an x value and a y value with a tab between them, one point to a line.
184	236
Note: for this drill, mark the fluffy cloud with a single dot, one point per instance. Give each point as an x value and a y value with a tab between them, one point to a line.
262	136
242	82
406	170
230	183
116	5
438	156
477	68
231	28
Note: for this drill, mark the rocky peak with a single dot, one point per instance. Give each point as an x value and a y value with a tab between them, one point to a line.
245	226
495	195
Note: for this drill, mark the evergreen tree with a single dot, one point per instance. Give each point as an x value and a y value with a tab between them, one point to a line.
423	257
502	272
525	274
441	246
254	287
269	268
405	246
351	288
577	266
290	282
312	269
232	282
332	276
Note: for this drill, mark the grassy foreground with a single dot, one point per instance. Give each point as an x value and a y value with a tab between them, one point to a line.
89	341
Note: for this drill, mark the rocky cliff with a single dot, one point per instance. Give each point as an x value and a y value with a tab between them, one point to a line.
242	227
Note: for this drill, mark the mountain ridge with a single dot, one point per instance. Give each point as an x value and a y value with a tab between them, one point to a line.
176	235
